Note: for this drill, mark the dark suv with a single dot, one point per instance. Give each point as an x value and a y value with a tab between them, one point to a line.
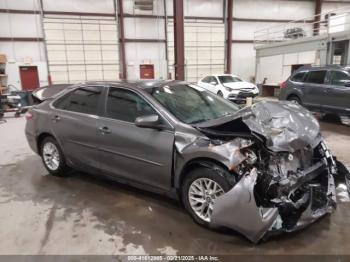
322	89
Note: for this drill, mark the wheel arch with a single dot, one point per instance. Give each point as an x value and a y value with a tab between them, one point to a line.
40	139
293	95
203	162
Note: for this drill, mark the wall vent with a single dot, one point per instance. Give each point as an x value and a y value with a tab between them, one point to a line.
145	5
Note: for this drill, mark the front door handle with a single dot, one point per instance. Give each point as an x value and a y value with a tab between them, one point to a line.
56	118
104	130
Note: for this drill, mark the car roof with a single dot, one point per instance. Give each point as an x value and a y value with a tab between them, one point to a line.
141	84
220	75
327	67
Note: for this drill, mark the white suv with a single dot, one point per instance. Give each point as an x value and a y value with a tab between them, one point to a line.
230	87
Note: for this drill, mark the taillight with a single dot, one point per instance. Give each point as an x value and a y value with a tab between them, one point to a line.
283	85
28	115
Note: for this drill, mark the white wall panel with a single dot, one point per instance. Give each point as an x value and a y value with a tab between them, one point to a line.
144	28
336	7
209	8
20	4
20	25
273	9
93	6
243	60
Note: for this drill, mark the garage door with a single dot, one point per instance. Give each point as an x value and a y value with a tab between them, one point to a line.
204	48
81	48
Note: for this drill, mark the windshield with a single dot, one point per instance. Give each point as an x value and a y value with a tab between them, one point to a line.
229	79
192	105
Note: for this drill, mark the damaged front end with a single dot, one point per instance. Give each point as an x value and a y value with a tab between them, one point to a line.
285	174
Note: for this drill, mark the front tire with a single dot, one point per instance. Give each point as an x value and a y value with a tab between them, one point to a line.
200	189
220	93
53	158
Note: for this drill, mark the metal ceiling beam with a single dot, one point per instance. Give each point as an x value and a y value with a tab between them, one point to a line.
120	21
228	55
179	39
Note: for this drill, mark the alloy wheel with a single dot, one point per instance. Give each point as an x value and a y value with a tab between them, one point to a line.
202	194
51	156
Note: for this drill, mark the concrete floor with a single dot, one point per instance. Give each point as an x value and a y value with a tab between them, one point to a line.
82	214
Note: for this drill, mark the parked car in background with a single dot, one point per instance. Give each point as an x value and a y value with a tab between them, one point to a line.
259	170
230	87
322	89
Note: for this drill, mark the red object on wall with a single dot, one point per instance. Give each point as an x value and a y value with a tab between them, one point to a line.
146	71
29	77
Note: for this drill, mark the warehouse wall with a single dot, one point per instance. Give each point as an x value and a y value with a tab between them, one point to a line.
145	37
22	53
243	57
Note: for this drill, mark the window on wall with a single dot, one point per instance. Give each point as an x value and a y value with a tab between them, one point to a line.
316	77
126	105
83	100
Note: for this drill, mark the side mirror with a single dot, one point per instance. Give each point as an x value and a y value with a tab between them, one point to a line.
150	121
213	83
347	84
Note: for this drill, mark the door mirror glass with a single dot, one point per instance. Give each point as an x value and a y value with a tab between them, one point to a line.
149	121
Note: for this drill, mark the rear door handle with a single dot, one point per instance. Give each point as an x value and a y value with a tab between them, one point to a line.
104	130
56	118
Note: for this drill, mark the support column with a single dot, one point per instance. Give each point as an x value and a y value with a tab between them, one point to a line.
49	79
317	19
120	21
228	55
179	40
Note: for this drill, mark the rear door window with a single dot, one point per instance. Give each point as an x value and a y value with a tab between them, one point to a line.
316	77
298	77
82	100
339	78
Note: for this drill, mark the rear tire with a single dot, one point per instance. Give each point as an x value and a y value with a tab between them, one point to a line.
295	99
53	158
200	188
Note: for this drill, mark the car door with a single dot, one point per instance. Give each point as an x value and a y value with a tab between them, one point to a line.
74	124
141	154
338	92
314	89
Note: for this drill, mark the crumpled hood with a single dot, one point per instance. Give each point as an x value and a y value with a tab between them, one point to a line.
286	126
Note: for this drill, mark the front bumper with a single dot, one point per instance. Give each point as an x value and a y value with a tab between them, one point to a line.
241	96
238	208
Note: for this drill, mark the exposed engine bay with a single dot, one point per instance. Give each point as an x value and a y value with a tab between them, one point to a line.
284	168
